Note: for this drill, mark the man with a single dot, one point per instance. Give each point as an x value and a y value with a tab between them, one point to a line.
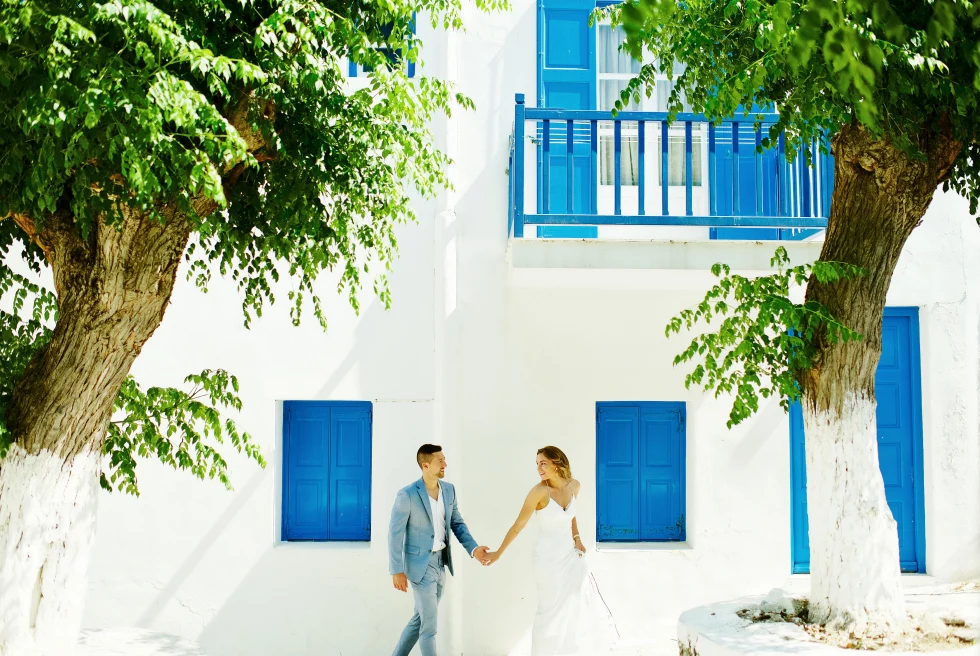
418	546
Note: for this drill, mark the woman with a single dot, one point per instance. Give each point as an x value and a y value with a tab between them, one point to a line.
571	616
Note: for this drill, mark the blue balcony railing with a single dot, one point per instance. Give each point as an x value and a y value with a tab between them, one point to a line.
589	168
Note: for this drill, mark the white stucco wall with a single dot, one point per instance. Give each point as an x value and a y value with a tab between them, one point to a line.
493	358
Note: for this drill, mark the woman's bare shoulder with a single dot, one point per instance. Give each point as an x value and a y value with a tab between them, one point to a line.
539	490
576	486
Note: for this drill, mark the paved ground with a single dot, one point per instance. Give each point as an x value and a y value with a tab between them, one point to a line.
134	642
140	642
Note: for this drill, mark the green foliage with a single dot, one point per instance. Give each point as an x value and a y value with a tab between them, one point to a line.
22	332
234	115
764	339
175	427
905	70
240	103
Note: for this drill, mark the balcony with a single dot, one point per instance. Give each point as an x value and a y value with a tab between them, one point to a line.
589	174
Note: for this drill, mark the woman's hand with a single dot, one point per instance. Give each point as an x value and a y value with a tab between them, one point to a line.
491	558
579	547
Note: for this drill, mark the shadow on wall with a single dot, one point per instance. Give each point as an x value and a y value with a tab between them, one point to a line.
298	601
366	340
300	594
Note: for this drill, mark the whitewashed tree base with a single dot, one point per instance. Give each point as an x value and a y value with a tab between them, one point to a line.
716	630
134	642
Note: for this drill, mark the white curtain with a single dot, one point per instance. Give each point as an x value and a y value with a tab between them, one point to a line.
629	157
611	58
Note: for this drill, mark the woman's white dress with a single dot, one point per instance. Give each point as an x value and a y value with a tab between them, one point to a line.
572	617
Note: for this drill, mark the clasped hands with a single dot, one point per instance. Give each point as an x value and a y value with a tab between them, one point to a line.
487	557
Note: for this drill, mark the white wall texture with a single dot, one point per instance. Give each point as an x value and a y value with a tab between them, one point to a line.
493	362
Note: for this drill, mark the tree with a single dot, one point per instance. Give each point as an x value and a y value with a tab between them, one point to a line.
891	87
136	135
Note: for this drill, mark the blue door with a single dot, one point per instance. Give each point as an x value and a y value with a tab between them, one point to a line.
566	80
899	420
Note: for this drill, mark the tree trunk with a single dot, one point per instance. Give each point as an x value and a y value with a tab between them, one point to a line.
880	195
113	288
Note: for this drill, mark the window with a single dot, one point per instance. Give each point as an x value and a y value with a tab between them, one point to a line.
326	471
394	58
641	471
614	70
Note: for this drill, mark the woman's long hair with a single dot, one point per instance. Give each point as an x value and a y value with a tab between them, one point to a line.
559	459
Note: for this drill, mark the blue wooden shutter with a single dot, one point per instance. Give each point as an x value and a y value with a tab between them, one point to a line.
567	80
306	453
350	472
748	175
772	186
661	470
618	473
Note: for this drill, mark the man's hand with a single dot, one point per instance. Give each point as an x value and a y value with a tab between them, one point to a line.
480	553
400	581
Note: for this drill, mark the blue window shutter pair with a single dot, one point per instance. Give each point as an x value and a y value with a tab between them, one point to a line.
326	470
641	471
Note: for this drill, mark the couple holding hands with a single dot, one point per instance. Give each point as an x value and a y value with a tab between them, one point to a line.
571	617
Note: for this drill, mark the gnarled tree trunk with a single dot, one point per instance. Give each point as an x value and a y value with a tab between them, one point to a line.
113	289
880	195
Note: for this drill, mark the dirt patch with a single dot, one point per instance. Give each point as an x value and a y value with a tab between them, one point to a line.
927	633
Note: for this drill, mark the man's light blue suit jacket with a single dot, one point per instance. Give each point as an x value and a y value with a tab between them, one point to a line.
410	533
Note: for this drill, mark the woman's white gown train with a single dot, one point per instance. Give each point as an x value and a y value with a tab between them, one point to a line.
572	618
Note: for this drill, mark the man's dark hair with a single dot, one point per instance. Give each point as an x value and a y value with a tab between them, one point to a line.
426	451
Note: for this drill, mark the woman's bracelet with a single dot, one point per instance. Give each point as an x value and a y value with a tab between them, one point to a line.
576	536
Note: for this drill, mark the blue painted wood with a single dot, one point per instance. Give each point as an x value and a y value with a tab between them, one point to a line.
564	114
510	191
899	424
593	166
688	170
736	170
566	78
782	190
617	473
569	164
658	220
712	170
618	167
664	167
662	472
518	169
326	471
350	473
759	179
568	232
754	180
641	171
545	196
394	57
753	188
641	471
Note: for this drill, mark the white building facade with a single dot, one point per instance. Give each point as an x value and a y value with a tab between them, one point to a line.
497	345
